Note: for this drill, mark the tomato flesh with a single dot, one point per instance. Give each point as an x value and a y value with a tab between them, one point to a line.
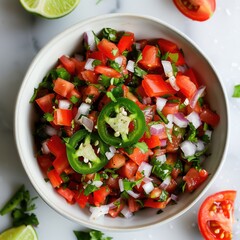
199	10
215	216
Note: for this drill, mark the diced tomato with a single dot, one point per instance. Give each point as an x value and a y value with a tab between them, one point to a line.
167	45
128	170
63	87
173	145
46	102
68	64
125	42
60	163
109	49
155	204
81	199
153	141
194	178
209	117
107	71
180	58
56	146
89	76
45	162
150	57
67	194
190	73
54	178
117	161
133	205
155	86
63	117
99	196
170	108
73	93
91	92
99	56
138	156
79	66
114	212
187	87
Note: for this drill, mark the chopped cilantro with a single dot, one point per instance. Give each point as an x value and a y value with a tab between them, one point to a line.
164	196
91	235
74	99
48	116
142	146
236	92
139	72
89	189
110	34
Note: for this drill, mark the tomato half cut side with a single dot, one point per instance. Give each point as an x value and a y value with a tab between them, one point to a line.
215	216
195	9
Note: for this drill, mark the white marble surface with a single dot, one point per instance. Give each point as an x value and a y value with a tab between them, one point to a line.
22	35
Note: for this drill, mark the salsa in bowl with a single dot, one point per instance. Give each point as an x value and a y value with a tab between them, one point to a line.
122	124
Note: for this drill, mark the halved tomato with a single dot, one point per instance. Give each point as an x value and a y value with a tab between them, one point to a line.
215	216
199	10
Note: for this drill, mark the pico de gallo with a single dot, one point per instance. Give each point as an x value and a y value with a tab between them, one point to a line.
123	125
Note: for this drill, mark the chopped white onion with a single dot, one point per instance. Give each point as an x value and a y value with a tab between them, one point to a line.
172	81
208	133
79	57
97	183
87	123
50	131
89	39
89	64
186	102
163	142
45	149
196	96
160	103
133	194
120	183
180	120
119	60
109	155
148	187
146	100
188	148
126	213
182	68
167	68
165	182
64	104
200	146
145	168
130	66
170	121
194	118
162	158
98	211
174	197
112	149
157	129
137	45
83	109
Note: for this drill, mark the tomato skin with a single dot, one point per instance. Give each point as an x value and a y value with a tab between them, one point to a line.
63	87
100	195
155	204
46	102
56	146
89	76
68	64
187	87
125	42
67	193
54	178
138	156
167	45
81	199
63	117
209	117
107	71
60	163
216	212
108	48
45	162
199	10
128	170
153	141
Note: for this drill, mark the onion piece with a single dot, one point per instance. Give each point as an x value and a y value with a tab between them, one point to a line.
98	211
64	104
120	183
194	118
50	131
45	149
97	183
174	197
109	155
196	96
148	187
188	148
138	45
172	81
160	103
145	168
165	183
180	120
167	68
162	158
126	213
133	194
170	121
208	133
89	64
87	123
130	66
119	60
200	146
157	129
146	100
83	109
89	39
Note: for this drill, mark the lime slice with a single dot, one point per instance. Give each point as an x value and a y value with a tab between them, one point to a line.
50	8
19	233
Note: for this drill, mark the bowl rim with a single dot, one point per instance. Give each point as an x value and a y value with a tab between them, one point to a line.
41	53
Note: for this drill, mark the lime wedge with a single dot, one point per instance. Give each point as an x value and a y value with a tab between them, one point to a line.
50	8
19	233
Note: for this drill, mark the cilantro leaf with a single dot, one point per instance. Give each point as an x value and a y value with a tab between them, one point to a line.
236	93
142	146
91	235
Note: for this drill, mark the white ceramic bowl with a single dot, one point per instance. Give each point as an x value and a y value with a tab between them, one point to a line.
67	43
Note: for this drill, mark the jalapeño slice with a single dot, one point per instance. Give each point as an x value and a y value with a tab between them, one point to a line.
121	123
86	152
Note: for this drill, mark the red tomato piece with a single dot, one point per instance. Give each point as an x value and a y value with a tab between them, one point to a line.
61	163
195	9
194	178
192	75
107	71
170	108
46	102
155	86
209	117
167	45
153	141
67	193
133	205
187	87
45	162
68	64
150	57
138	156
99	196
114	212
128	170
73	93
63	87
81	199
54	178
155	204
215	216
109	49
89	76
63	117
99	56
56	146
125	42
